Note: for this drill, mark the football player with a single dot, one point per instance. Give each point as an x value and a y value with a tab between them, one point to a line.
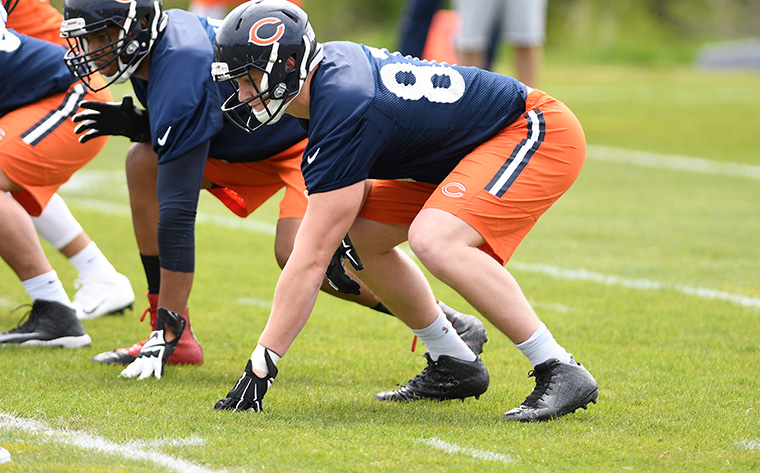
100	288
38	153
494	153
183	144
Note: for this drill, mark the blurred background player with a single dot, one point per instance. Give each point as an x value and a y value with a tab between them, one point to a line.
522	23
183	144
38	153
471	34
100	288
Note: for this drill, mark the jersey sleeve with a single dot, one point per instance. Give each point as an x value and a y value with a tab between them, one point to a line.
343	142
181	97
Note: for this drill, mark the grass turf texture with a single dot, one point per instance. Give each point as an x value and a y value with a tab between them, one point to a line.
677	372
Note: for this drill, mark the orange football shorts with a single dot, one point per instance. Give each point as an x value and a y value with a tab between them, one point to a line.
38	147
244	187
504	185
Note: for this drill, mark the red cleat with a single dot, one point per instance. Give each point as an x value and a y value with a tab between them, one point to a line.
188	351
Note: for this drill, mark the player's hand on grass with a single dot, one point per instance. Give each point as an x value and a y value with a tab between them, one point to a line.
155	352
336	273
112	118
249	391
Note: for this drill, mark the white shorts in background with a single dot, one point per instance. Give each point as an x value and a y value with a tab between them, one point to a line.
523	22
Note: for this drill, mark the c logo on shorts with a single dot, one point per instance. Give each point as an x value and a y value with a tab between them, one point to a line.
256	38
454	189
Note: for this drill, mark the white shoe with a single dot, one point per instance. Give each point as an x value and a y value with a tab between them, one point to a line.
102	293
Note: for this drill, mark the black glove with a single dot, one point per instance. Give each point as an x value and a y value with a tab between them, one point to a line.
336	274
155	352
112	118
248	393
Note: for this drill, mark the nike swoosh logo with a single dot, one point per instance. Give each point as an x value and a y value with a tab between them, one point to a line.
162	141
310	159
90	311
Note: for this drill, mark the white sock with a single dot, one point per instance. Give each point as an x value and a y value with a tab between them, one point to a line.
541	346
46	287
258	362
91	260
440	338
56	224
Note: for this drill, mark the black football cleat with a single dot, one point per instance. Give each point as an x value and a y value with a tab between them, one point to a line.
447	378
561	388
469	328
49	323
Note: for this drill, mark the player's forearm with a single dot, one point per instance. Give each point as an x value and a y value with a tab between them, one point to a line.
294	300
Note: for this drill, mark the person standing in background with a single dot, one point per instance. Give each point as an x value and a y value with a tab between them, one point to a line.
522	23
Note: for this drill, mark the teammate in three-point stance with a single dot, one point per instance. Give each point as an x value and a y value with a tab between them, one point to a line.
39	152
493	154
183	144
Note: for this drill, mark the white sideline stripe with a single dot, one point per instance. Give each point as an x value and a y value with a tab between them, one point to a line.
131	451
236	223
748	444
267	304
640	284
601	153
474	453
574	274
672	162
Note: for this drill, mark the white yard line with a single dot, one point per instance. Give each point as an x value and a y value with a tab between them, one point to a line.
749	444
474	453
640	284
136	451
672	162
83	180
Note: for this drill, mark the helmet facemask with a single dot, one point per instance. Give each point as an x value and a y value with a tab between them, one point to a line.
279	44
131	35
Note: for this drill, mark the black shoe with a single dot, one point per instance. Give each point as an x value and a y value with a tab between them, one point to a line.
561	388
469	328
50	323
447	378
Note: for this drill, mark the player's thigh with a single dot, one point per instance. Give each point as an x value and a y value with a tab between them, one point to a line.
502	187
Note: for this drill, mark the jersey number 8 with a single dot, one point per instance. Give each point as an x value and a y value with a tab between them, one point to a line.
440	84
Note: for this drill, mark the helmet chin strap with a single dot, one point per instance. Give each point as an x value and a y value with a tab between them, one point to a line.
265	116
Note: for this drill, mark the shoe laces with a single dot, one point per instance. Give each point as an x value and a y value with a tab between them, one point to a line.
544	381
153	315
433	374
28	321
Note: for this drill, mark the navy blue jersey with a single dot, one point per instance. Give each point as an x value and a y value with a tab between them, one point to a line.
187	126
381	115
185	103
32	69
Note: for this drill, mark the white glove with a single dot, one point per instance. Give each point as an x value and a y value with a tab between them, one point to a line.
156	350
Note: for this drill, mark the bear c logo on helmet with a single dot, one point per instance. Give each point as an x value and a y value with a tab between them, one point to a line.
259	29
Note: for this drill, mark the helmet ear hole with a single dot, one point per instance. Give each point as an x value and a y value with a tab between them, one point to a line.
290	64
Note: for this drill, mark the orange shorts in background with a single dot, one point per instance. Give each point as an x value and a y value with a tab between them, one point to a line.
244	187
39	149
503	186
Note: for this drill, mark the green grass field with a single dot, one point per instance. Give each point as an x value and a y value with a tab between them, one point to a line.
647	270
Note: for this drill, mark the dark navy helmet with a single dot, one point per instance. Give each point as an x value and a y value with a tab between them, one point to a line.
131	27
274	37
